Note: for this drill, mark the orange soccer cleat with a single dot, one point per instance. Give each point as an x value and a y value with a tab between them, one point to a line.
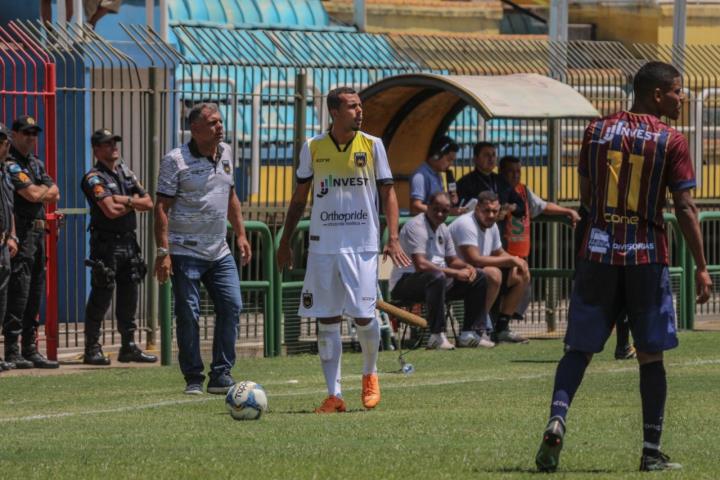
331	404
370	390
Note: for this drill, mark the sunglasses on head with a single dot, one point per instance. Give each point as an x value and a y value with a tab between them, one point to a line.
30	133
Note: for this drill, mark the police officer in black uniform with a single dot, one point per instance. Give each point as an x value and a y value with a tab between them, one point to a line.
114	194
8	240
33	189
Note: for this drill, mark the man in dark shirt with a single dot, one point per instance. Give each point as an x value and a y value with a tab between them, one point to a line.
33	189
484	178
114	194
8	240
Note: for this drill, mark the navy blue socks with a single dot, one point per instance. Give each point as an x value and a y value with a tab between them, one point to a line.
568	377
653	392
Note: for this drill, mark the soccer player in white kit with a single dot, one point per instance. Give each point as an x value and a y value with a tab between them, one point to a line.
348	171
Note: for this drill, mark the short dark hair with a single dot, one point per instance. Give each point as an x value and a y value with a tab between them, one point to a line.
439	193
654	75
487	196
197	109
479	146
443	145
333	97
507	160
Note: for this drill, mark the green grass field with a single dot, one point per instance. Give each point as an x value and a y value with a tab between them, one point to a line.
462	414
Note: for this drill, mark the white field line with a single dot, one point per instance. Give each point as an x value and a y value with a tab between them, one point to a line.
437	383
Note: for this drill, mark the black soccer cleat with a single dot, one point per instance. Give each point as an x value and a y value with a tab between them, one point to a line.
657	461
548	456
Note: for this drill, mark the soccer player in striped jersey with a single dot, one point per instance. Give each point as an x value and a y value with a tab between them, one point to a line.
628	162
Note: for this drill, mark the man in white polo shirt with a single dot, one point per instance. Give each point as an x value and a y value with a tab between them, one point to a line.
195	199
477	237
437	275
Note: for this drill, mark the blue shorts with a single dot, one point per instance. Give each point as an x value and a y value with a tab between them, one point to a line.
602	293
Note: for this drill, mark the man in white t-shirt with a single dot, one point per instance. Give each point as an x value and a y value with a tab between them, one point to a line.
437	275
349	173
478	241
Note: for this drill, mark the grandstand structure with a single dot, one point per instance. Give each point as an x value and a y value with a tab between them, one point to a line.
269	65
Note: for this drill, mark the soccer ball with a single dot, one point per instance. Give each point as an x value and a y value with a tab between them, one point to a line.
246	401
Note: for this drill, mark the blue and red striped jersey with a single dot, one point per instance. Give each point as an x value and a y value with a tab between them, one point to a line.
631	160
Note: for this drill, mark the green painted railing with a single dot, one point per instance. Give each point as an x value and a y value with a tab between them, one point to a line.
282	285
271	344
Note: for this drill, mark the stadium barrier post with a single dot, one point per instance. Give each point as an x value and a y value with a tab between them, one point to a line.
164	310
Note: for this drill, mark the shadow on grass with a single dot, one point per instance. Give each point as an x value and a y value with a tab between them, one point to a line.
312	412
534	361
525	469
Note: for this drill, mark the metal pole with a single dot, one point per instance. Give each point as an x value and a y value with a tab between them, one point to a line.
78	12
163	20
151	286
553	172
360	15
165	324
150	13
679	23
300	108
61	13
558	28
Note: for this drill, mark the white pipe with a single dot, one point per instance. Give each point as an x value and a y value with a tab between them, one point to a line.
679	23
61	13
78	12
360	15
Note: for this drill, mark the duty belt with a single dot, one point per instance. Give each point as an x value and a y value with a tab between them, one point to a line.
107	235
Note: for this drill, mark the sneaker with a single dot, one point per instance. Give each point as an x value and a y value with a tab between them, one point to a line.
220	384
438	341
508	336
331	404
485	341
626	353
657	462
468	339
548	456
193	389
370	390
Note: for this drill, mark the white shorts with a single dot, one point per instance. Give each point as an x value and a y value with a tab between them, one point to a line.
340	284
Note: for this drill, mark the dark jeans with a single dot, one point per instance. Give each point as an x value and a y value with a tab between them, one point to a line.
26	289
222	283
434	288
120	256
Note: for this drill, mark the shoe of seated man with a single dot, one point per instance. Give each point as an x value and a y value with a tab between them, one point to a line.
331	404
472	339
438	341
548	455
508	336
657	461
485	341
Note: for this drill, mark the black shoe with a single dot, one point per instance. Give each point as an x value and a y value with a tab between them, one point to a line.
14	360
657	461
132	353
221	384
95	357
548	456
625	353
38	360
4	365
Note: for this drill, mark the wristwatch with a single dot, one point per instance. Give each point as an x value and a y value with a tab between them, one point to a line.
129	202
162	252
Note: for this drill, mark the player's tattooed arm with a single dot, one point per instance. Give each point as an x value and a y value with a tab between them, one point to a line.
293	216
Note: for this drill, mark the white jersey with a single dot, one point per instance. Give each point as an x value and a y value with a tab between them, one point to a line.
344	215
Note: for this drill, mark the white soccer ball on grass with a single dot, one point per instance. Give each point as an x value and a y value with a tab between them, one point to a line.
246	401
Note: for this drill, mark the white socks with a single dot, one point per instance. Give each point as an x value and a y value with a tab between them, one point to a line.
369	338
330	350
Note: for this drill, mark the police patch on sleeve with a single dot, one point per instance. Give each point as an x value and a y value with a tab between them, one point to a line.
14	168
22	176
98	190
93	180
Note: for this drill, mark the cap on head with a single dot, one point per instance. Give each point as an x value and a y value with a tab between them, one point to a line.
103	135
25	123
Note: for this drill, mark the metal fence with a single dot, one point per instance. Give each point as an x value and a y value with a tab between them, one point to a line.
271	87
